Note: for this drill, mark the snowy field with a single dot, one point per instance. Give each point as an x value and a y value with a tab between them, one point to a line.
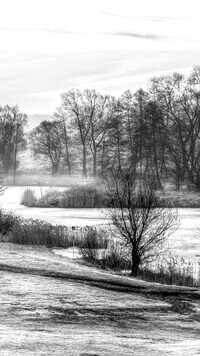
184	241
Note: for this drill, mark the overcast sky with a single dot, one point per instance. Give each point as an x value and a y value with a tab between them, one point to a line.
50	46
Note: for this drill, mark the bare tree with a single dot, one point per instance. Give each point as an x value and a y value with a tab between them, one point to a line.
180	99
74	103
133	208
12	123
60	115
45	141
1	177
101	109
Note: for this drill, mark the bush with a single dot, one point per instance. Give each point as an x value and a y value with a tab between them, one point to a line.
29	198
93	244
117	257
81	196
7	222
49	199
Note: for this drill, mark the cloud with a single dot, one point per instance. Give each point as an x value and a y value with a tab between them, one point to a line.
153	18
42	29
57	30
70	32
144	36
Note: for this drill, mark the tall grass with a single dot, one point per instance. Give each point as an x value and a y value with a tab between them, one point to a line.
37	232
81	196
173	270
42	233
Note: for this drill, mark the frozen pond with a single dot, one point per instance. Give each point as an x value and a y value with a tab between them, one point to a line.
184	241
11	201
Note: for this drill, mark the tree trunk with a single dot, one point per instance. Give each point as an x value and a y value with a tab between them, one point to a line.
15	160
135	263
67	149
102	159
84	162
197	184
94	163
54	168
1	172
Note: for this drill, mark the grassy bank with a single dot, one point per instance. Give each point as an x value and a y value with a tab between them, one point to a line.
165	269
98	247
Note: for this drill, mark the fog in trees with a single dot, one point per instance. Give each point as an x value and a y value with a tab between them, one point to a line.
155	132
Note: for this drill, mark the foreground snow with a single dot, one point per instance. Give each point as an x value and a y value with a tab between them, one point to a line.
49	306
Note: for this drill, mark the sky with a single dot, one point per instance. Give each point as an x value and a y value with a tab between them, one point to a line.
50	46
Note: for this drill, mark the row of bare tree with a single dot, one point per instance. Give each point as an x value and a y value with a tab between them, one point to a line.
156	132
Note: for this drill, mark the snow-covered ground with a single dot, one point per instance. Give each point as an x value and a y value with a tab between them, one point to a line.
184	241
58	306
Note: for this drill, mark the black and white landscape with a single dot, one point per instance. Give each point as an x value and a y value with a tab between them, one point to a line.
99	178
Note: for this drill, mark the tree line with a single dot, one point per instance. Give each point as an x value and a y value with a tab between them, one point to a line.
155	132
12	137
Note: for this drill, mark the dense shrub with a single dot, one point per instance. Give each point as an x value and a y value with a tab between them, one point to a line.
93	244
117	257
49	199
29	198
7	222
81	196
